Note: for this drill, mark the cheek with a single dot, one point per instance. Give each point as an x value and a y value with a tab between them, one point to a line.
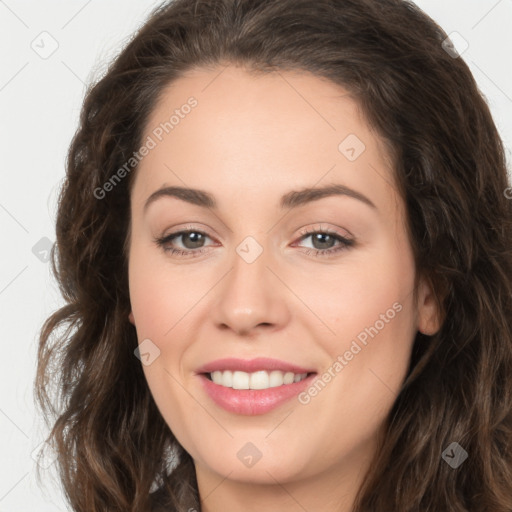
160	295
369	309
159	304
163	301
371	314
372	291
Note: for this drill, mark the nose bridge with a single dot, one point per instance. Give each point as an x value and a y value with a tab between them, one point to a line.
250	294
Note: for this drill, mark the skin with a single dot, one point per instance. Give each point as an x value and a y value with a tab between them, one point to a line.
250	140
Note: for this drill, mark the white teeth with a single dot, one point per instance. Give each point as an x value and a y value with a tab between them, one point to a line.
217	377
288	377
241	380
276	379
256	380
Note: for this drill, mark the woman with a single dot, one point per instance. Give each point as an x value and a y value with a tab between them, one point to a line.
285	245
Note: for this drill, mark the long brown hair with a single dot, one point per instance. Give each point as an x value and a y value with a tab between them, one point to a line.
451	173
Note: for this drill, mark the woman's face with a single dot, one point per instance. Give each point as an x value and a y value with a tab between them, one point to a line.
256	168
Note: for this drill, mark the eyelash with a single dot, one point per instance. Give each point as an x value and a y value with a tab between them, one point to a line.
344	243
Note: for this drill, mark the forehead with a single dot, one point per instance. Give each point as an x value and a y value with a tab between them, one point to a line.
249	130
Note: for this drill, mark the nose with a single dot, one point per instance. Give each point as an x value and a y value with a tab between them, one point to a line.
251	297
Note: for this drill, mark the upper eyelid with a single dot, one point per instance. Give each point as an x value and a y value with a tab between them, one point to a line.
320	229
304	233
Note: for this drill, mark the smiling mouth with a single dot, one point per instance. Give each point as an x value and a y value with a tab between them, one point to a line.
255	380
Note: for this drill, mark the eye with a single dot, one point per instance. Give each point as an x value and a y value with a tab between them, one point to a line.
191	241
325	242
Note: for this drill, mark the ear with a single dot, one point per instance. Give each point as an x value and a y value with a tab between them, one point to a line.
131	318
429	314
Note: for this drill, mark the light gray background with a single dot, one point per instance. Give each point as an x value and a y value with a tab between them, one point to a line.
40	99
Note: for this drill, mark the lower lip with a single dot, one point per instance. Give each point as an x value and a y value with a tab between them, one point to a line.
251	402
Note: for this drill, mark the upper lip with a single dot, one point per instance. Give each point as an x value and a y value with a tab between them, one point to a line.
252	365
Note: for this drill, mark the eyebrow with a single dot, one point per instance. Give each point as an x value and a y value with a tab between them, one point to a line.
292	199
